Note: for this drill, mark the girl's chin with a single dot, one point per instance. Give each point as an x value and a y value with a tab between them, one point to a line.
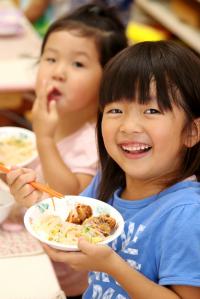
63	112
139	174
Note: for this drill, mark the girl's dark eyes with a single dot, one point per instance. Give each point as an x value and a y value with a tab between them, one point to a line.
50	59
114	111
78	64
152	111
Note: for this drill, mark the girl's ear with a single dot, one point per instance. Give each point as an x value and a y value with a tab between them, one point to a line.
193	136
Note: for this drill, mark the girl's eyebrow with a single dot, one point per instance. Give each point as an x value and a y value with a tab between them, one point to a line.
75	53
81	53
50	50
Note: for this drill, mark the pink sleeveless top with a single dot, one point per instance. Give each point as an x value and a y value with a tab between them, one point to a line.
79	152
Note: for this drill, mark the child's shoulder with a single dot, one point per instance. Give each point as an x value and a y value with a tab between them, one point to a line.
183	195
82	140
84	133
187	192
181	203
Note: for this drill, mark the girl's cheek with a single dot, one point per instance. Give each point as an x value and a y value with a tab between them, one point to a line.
105	134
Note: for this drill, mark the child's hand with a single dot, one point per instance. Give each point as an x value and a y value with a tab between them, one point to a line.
91	258
44	113
18	181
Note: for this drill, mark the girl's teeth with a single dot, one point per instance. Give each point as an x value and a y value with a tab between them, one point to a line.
130	148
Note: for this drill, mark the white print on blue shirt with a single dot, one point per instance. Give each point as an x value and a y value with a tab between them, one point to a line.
99	291
171	225
124	238
108	294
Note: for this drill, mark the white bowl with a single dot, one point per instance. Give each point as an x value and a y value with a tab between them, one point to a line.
62	207
20	154
6	202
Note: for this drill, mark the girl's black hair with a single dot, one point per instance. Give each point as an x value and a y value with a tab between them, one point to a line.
176	73
96	21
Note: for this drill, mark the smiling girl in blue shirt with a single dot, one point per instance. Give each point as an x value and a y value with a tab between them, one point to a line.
149	144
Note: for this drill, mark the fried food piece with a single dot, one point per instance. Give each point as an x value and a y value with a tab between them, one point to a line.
103	223
109	220
79	214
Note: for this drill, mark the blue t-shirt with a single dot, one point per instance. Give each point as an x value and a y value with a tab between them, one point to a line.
161	239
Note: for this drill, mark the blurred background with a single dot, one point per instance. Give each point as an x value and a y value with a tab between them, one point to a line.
22	28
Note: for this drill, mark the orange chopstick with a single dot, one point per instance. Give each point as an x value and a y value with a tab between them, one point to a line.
37	185
46	189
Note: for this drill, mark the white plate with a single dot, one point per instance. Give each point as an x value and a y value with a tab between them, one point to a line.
62	208
20	156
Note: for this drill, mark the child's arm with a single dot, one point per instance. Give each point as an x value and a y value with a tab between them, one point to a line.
140	287
35	9
56	173
104	259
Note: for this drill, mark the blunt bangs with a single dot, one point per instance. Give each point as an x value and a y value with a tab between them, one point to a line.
69	25
130	74
97	22
175	72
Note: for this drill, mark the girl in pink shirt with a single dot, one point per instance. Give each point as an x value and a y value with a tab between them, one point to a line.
74	52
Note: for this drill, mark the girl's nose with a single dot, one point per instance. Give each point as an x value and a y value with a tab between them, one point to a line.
59	73
131	125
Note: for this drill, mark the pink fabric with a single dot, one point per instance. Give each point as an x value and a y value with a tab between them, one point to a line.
79	151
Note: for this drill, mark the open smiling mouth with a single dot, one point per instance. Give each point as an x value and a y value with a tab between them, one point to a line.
54	95
136	149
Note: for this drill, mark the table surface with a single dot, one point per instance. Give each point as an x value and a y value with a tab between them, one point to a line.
18	55
28	277
26	271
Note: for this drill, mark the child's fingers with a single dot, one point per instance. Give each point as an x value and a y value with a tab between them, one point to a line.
26	196
95	252
30	198
53	109
14	174
89	248
19	178
86	247
18	181
54	254
41	99
62	256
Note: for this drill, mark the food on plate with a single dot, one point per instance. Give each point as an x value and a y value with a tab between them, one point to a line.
79	214
79	223
54	224
103	223
15	150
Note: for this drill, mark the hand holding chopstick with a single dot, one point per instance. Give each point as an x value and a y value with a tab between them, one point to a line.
37	185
